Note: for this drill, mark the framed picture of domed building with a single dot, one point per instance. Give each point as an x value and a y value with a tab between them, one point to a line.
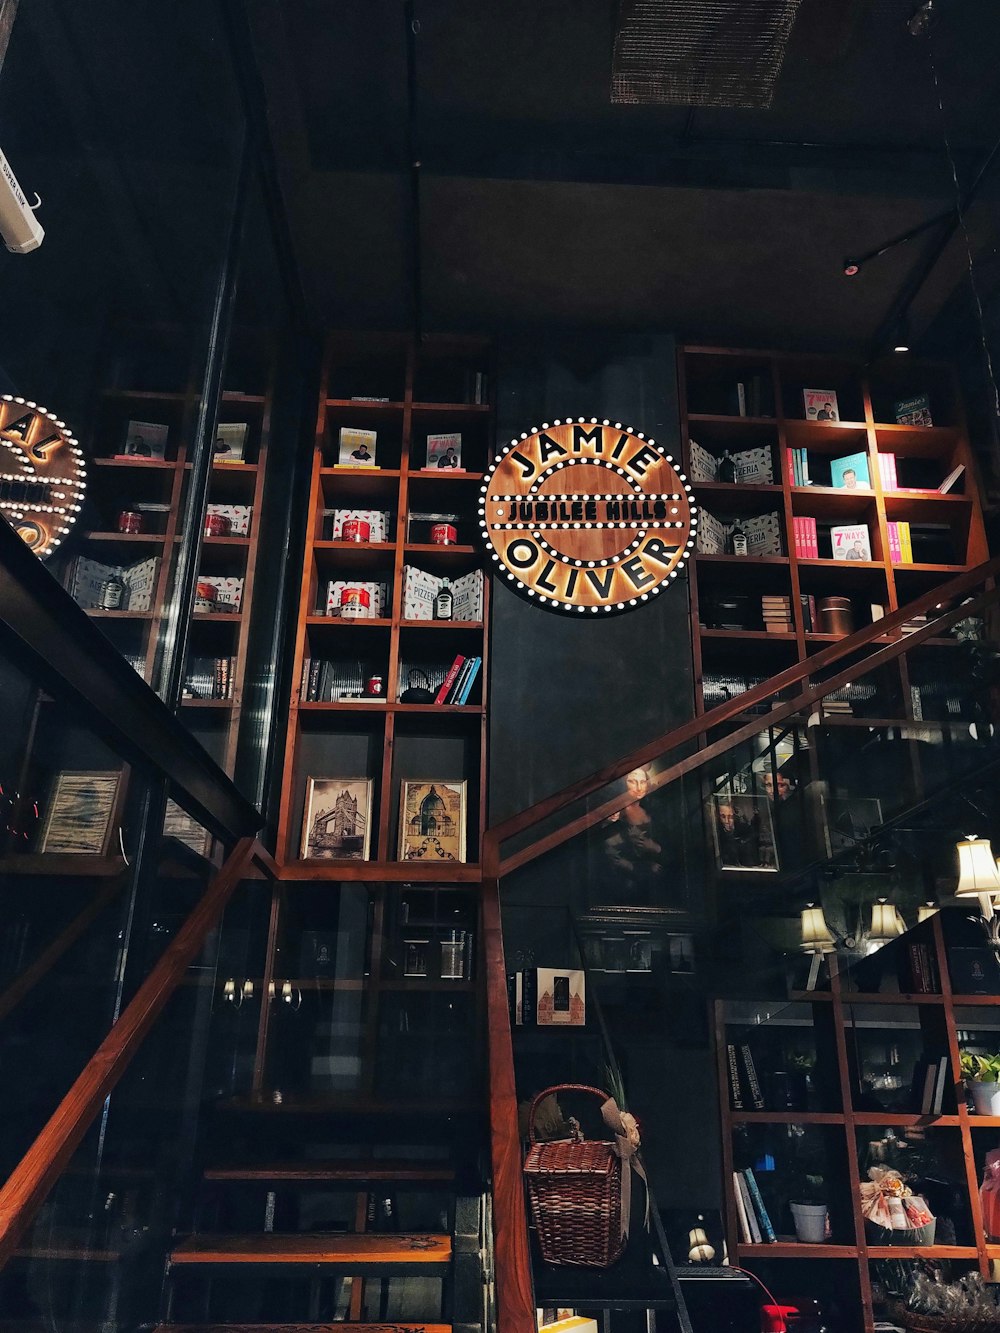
432	821
336	819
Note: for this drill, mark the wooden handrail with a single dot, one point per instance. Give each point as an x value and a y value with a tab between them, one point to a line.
809	696
690	731
43	1163
512	1261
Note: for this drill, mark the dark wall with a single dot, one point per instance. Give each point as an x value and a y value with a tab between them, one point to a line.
568	696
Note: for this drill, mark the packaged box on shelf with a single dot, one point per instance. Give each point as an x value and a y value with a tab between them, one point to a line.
238	517
88	577
420	588
377	520
763	534
378	598
228	592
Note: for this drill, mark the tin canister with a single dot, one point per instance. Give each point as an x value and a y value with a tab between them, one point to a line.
444	534
355	603
205	595
836	615
217	525
129	520
356	530
374	686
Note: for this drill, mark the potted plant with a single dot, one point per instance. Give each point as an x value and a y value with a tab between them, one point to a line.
982	1078
809	1211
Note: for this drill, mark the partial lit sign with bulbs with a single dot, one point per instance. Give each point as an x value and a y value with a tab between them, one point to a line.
587	516
42	474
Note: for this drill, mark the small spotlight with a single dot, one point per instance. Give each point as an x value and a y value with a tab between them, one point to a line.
901	338
851	268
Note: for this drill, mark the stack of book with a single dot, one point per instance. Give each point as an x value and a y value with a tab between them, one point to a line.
209	678
887	472
900	545
777	613
457	684
921	973
804	531
755	1223
797	467
325	682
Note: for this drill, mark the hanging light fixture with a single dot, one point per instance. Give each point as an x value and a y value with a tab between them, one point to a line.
816	936
885	925
978	876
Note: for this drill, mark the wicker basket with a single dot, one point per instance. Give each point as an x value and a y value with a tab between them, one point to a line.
575	1191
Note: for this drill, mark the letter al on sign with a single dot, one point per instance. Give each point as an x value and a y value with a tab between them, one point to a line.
587	516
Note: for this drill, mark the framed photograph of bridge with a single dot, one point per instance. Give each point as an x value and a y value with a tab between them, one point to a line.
336	819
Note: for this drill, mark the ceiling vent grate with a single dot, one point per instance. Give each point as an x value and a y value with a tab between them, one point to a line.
724	53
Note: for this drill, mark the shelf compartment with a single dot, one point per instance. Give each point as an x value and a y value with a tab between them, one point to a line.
352	488
335	558
829	438
728	498
836	504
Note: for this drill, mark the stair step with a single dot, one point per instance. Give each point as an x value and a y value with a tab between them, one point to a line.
377	1169
338	1327
357	1251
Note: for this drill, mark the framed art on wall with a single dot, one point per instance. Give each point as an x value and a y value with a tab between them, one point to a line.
81	812
336	819
432	821
743	832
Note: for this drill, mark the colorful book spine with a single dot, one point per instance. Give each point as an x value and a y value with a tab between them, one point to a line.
741	1211
454	694
477	662
756	1236
895	547
790	466
762	1213
449	679
905	543
806	538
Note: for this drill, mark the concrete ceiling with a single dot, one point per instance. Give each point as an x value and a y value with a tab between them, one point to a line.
541	202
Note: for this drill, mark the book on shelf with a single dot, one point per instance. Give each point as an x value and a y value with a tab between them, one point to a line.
806	542
776	612
327	681
753	1086
357	447
921	972
758	1203
145	442
457	684
900	544
230	442
809	619
820	405
208	678
850	473
754	1237
930	1077
753	396
444	453
797	467
851	542
87	578
951	479
477	385
735	1087
914	411
421	587
887	472
763	534
742	1217
377	520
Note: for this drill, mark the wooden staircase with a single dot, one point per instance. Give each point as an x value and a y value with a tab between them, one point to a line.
356	1254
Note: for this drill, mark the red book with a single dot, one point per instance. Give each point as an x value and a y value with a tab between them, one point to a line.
895	547
450	679
790	467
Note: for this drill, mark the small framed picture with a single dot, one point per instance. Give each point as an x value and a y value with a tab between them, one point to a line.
432	821
820	405
81	814
849	821
178	824
357	447
336	819
743	832
230	442
680	951
444	452
145	441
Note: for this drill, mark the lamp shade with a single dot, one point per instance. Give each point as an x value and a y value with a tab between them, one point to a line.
885	923
977	869
816	937
926	910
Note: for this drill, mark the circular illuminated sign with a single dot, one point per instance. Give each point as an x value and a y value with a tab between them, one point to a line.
587	516
42	474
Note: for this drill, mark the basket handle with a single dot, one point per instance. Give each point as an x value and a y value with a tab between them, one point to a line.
548	1092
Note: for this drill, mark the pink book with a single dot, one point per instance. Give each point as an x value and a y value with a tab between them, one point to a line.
895	546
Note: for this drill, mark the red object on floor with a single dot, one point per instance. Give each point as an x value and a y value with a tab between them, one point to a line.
773	1318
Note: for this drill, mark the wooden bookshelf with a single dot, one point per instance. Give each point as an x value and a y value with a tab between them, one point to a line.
390	740
953	522
835	1023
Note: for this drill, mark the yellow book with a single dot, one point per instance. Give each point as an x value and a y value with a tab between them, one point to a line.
905	545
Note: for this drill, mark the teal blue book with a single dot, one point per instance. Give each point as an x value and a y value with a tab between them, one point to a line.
477	662
758	1203
850	473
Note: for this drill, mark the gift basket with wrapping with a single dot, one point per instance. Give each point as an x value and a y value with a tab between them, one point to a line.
893	1214
934	1306
580	1189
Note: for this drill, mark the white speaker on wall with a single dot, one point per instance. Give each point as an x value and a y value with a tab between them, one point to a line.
19	227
